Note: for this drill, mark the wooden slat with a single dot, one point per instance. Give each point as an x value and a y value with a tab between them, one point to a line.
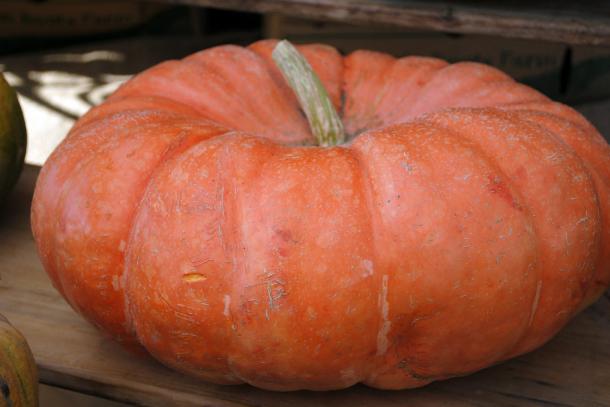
572	370
580	22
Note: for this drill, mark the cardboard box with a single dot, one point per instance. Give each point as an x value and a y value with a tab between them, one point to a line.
589	73
57	18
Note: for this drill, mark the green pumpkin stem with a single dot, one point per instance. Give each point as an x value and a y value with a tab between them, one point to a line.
323	119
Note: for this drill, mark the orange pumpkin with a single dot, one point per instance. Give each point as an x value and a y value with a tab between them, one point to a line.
464	221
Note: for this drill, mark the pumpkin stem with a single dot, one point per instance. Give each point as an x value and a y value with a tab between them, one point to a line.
323	119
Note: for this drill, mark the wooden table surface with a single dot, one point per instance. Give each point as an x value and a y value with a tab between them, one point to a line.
571	370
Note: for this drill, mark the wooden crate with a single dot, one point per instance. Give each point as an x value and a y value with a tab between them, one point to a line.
573	22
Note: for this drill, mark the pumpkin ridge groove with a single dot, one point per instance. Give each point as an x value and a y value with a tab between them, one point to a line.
586	172
233	240
477	147
554	110
591	172
548	152
61	197
382	93
246	111
282	87
381	278
367	185
111	102
588	169
58	281
411	97
445	74
174	149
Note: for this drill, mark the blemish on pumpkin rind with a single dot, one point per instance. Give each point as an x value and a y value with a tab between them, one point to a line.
284	240
116	283
226	305
367	265
348	375
384	330
193	277
496	186
535	303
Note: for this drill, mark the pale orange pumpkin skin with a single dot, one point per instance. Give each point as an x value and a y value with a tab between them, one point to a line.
465	224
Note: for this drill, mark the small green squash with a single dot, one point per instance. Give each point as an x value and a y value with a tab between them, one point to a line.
13	138
18	374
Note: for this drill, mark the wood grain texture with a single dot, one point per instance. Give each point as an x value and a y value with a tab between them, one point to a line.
582	22
572	370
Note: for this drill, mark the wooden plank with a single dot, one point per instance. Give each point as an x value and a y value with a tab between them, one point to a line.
582	22
571	370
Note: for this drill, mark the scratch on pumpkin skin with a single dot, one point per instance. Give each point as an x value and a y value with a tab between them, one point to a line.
116	283
222	213
200	262
404	366
274	290
382	335
274	297
227	305
270	295
193	277
535	303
